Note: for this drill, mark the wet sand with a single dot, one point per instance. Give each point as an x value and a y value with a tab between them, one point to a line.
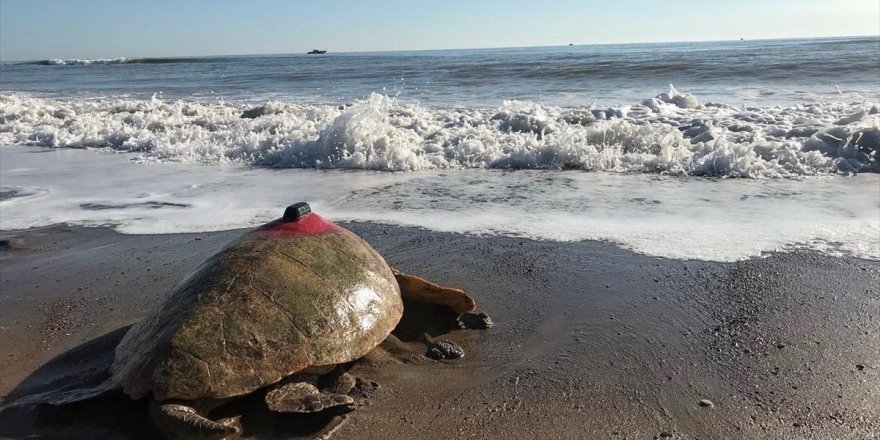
590	341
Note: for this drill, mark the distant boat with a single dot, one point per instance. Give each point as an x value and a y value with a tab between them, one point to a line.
316	52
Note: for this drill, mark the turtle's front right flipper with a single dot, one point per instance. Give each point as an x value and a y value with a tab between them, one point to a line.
414	288
179	421
303	397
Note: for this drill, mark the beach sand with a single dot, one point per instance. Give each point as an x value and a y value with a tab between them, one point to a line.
590	340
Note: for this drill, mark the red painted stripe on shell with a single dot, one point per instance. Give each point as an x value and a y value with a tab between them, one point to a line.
308	226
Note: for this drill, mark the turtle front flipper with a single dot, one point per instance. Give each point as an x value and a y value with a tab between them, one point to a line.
179	421
413	288
303	397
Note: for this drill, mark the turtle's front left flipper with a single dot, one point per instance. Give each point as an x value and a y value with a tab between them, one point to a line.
413	288
303	397
180	421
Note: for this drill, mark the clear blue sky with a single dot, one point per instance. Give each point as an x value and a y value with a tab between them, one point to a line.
40	29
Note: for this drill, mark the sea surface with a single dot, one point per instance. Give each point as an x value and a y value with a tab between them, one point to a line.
715	150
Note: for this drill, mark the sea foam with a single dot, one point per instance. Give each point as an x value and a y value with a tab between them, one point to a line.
667	216
672	133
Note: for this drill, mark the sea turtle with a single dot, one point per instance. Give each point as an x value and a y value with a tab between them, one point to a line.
285	302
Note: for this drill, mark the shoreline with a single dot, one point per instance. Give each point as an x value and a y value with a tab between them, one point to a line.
590	339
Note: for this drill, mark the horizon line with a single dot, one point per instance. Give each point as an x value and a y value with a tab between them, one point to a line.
255	54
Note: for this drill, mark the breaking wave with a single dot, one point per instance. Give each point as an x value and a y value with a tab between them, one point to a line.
672	133
78	62
123	60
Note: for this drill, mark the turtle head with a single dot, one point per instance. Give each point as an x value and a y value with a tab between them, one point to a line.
296	211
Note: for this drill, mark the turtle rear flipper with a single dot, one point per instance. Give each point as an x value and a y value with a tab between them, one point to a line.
303	397
176	420
59	396
413	288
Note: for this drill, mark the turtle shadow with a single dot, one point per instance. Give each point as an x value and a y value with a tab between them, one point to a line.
109	416
421	318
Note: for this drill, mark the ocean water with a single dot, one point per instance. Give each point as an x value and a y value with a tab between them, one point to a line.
718	151
759	73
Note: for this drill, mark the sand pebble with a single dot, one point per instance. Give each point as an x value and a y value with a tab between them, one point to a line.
707	403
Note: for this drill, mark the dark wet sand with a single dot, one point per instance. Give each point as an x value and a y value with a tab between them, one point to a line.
591	341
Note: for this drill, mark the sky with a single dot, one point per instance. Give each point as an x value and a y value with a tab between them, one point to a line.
87	29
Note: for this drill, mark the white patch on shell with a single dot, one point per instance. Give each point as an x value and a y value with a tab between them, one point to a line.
365	301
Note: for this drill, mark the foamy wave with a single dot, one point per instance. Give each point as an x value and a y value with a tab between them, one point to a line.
123	60
672	133
78	62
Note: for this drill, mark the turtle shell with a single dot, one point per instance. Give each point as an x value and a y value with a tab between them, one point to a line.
284	297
